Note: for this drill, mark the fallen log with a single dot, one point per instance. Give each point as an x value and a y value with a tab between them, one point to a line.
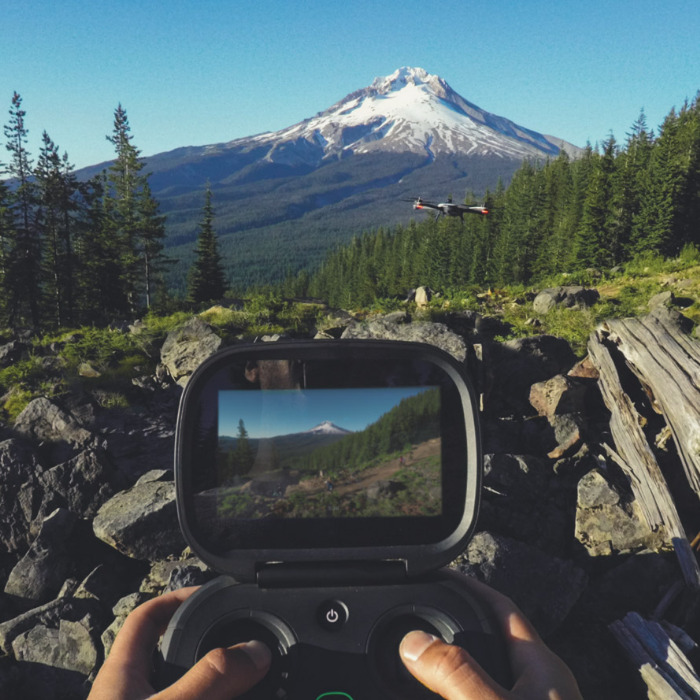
664	668
636	459
666	360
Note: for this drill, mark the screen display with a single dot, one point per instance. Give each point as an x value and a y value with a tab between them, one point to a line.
304	447
329	453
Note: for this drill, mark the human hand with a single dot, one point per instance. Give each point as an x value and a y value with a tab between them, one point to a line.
222	674
452	673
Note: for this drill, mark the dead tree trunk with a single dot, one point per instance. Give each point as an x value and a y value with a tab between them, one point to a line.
661	361
667	362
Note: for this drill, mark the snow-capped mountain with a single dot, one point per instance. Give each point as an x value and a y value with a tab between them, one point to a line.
407	111
283	199
327	428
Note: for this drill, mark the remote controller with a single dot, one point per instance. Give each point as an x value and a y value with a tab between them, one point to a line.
329	482
334	642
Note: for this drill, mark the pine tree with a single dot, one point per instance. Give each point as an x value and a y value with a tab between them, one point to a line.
597	236
124	187
7	236
56	209
99	293
634	181
206	277
23	276
150	242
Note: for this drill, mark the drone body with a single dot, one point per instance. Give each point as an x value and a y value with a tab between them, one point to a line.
448	208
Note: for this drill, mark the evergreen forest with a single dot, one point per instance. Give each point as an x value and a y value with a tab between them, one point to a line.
613	204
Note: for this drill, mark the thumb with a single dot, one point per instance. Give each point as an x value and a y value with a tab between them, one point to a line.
222	674
447	669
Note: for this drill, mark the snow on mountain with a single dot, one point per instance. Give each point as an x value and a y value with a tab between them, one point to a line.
407	111
327	428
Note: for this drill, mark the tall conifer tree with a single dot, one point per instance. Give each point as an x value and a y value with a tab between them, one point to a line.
206	276
23	277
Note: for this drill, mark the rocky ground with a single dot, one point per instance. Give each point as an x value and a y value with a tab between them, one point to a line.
88	527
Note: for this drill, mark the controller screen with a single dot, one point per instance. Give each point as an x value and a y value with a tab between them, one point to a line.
329	453
286	449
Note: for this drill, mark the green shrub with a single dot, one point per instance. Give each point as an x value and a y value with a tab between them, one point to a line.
688	257
15	402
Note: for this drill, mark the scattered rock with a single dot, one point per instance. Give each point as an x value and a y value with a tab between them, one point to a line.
187	347
567	297
85	369
661	299
38	576
11	352
81	484
512	367
19	469
141	522
584	369
558	395
433	333
605	524
423	296
43	421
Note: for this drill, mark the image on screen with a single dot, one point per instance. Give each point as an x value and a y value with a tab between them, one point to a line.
329	453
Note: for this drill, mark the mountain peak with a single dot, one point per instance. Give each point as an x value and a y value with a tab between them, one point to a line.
327	427
409	111
402	77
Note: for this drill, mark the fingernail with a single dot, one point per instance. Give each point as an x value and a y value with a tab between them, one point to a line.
259	654
415	643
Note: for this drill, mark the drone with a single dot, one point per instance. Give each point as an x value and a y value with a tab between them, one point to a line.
448	208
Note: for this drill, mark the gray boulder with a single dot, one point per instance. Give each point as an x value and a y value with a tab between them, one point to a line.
544	587
44	421
81	484
567	297
666	298
19	470
73	646
38	576
48	615
187	347
11	352
608	524
561	400
525	499
432	333
141	522
512	367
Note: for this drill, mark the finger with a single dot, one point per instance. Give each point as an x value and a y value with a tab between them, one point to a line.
139	635
222	674
446	669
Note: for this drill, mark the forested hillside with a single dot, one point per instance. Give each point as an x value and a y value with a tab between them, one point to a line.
78	253
614	203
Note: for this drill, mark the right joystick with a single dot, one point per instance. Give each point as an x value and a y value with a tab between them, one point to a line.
383	648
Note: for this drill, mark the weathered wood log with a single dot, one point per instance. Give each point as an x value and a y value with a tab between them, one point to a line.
664	668
667	362
635	458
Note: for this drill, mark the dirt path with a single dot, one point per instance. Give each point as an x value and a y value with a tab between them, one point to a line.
364	480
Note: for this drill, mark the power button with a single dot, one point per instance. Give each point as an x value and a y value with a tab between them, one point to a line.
332	615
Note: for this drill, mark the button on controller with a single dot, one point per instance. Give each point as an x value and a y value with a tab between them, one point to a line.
332	615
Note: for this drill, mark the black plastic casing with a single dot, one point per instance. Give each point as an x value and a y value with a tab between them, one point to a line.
354	557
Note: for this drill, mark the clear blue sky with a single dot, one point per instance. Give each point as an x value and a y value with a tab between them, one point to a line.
270	413
198	72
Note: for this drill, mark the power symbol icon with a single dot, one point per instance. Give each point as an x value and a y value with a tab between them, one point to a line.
332	615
